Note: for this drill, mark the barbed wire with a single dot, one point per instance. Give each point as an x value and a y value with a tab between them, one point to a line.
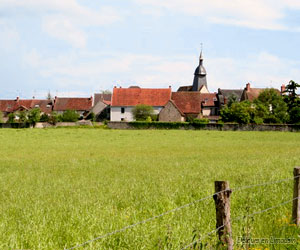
237	219
176	209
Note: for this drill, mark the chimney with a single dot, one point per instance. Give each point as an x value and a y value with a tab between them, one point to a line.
282	88
17	99
248	86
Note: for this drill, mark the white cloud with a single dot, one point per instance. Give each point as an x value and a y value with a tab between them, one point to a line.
103	71
64	19
258	14
9	35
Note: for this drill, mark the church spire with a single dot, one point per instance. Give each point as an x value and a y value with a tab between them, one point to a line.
200	74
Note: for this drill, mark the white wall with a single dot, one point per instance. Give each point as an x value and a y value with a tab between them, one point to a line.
116	115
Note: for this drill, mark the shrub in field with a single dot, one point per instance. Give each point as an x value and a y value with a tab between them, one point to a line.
142	112
70	116
34	116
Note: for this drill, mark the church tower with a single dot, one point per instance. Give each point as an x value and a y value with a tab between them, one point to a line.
199	76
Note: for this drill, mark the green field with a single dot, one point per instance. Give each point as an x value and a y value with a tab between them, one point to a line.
62	187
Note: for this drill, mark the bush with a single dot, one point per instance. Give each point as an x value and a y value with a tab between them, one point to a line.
34	116
142	112
1	117
22	116
70	116
44	118
11	118
201	121
53	119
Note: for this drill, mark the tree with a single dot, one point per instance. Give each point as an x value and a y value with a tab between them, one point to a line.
291	89
107	91
22	116
70	116
11	118
53	119
232	99
242	113
295	115
34	116
141	112
271	107
44	118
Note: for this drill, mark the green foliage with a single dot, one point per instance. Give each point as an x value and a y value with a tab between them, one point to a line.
295	115
70	116
1	117
34	116
54	118
275	109
201	121
242	113
44	118
269	107
141	112
149	119
11	118
23	116
158	125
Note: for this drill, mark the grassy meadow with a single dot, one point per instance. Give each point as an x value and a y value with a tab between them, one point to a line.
62	187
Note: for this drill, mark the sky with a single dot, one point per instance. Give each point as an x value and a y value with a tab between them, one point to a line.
79	47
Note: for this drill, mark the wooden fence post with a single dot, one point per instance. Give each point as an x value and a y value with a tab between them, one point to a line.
296	201
222	202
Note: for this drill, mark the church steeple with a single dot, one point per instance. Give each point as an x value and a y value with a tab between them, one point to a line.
200	75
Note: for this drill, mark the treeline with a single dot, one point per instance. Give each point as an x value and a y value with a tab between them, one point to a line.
35	115
270	108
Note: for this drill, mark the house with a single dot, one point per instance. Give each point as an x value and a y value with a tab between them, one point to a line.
125	99
200	82
101	107
11	106
81	105
252	93
224	95
186	105
171	113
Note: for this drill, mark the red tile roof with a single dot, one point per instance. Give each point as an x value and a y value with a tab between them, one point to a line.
209	100
8	106
135	96
78	104
188	102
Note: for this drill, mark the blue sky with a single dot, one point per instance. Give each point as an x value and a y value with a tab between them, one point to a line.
78	47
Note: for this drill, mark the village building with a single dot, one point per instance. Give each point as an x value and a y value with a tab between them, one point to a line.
125	99
224	95
18	105
250	93
81	105
101	107
187	105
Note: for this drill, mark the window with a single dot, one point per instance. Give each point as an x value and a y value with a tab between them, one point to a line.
122	110
122	119
36	106
48	106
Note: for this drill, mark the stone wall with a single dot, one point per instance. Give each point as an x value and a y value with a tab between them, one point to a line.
220	127
170	114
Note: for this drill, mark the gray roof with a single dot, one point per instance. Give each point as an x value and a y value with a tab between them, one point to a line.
229	92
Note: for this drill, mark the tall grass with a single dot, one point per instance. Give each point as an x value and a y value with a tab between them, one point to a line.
62	187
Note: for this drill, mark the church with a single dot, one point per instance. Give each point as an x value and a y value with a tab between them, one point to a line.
200	81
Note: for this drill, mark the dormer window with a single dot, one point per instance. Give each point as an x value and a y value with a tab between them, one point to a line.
36	106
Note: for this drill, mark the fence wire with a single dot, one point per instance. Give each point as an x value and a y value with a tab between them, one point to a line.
177	209
237	219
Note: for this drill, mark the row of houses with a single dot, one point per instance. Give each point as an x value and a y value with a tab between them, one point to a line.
194	101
